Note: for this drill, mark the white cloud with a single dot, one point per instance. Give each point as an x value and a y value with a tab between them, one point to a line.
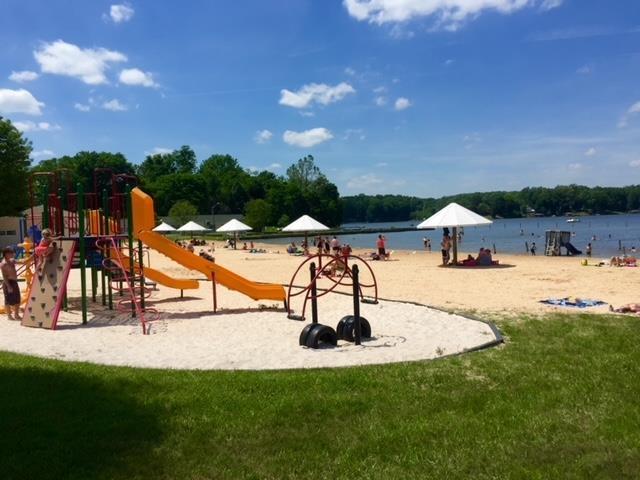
576	166
135	76
307	138
159	151
585	70
380	89
23	76
274	166
590	152
263	136
121	13
29	126
349	71
634	163
633	110
39	154
315	93
306	113
382	164
402	103
380	101
19	101
86	64
551	4
448	62
114	105
365	182
354	133
82	107
448	14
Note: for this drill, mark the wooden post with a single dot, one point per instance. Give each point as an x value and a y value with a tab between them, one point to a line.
455	246
215	295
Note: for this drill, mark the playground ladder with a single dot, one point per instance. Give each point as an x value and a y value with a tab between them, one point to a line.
114	265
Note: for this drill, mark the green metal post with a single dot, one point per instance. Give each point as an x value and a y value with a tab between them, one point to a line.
83	278
105	213
94	283
131	247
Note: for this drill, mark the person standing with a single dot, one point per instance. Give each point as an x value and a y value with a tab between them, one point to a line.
588	249
446	246
381	245
10	286
533	249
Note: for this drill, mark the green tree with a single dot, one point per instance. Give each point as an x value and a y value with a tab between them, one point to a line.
168	189
304	172
183	211
257	214
14	168
156	166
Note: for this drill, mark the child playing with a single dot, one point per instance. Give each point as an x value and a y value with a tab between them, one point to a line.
45	248
10	286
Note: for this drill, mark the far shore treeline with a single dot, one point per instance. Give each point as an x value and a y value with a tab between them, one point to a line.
183	187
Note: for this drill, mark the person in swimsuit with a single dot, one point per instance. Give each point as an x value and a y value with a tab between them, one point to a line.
381	245
10	287
446	246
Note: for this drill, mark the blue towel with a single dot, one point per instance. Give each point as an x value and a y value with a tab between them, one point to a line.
578	302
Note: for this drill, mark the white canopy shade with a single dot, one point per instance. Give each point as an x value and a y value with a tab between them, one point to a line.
164	227
454	215
192	227
233	226
305	224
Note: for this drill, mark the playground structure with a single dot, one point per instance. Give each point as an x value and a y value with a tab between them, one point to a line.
109	233
555	240
339	270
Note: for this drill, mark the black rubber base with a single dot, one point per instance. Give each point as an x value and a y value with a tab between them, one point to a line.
347	325
315	334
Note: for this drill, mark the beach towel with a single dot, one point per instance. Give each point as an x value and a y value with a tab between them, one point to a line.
573	302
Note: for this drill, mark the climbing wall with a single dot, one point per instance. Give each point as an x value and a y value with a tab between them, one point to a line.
48	287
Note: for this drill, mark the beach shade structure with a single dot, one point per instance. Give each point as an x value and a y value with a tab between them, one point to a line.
234	226
454	216
163	228
305	224
192	227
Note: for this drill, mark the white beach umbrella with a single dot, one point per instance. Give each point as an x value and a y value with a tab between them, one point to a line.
164	227
234	226
305	224
454	216
192	227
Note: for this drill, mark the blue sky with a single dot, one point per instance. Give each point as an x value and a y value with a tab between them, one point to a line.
425	97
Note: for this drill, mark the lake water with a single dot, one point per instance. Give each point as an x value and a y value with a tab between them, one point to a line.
510	235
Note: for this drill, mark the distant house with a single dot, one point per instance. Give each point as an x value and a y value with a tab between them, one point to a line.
12	230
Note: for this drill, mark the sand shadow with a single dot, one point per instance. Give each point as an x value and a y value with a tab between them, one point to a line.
72	425
171	300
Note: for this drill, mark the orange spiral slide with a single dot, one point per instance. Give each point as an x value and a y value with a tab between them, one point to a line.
144	221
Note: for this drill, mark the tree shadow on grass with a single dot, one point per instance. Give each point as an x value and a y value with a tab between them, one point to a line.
68	425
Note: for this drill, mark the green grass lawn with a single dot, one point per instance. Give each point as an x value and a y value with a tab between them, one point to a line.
560	400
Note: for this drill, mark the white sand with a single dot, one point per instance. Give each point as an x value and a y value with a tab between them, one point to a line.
190	337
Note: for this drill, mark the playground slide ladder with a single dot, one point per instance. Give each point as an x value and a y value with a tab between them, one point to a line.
114	265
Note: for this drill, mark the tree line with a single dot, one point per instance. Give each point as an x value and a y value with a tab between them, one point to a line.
529	201
182	187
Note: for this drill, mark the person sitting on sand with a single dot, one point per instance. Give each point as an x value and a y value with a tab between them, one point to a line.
346	250
244	246
628	308
484	257
291	249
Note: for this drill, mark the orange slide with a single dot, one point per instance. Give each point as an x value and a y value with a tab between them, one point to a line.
159	277
144	221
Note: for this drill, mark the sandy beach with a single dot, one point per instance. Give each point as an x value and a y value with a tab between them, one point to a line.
247	334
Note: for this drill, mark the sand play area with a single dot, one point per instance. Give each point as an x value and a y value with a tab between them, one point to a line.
245	334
